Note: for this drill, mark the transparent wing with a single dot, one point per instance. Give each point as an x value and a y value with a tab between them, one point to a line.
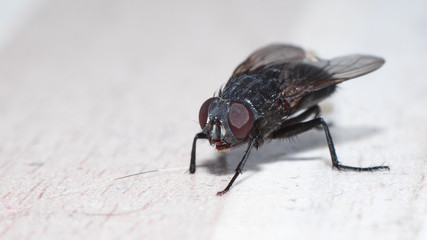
347	67
313	74
271	55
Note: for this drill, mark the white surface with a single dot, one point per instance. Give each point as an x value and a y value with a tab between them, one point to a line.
14	14
93	90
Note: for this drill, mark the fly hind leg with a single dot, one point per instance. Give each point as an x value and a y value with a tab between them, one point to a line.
295	128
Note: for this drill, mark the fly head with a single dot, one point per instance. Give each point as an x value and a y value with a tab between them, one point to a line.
226	123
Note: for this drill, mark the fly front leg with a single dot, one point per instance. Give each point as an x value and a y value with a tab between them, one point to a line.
193	151
239	167
295	129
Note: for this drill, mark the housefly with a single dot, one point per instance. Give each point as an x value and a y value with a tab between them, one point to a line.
274	94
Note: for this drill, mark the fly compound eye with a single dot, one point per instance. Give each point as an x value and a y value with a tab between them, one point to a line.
203	113
240	119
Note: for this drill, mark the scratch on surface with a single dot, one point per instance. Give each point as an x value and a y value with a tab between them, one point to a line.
142	192
102	172
127	188
420	187
87	157
134	226
88	224
106	189
31	190
5	230
113	212
62	181
48	216
6	195
42	192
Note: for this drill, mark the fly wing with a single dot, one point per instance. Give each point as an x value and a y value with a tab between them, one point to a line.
266	57
288	73
313	74
347	67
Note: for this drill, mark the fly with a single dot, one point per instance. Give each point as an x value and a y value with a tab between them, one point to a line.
274	94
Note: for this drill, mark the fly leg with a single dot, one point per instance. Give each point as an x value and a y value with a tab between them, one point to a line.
193	151
295	129
239	168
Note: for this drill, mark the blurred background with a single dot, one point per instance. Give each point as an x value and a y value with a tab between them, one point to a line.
94	90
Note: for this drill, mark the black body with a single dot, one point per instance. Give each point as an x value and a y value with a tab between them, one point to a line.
274	92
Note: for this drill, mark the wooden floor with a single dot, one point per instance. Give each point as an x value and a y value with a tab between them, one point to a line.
92	91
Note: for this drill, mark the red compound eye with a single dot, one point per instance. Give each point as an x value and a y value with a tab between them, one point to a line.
240	119
203	113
